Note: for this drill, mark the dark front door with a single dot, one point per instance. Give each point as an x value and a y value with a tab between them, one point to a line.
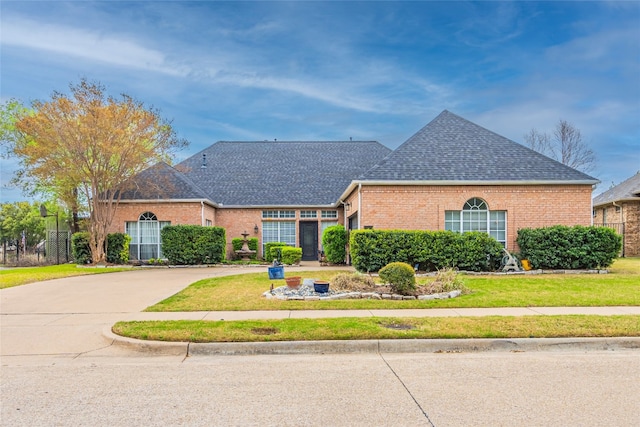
309	240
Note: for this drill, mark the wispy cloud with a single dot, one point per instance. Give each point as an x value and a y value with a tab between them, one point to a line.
86	44
215	69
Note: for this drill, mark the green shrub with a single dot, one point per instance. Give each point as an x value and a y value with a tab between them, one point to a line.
334	242
400	276
193	244
562	247
118	248
236	242
291	255
430	250
270	250
80	248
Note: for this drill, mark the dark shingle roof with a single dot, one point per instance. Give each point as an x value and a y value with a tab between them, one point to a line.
451	148
161	181
280	173
627	190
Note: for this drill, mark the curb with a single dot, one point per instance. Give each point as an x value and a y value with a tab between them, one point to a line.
475	345
159	348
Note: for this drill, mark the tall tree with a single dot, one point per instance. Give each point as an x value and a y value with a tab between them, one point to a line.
93	144
10	112
564	145
19	217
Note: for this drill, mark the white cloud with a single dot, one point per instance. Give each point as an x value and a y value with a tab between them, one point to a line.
85	44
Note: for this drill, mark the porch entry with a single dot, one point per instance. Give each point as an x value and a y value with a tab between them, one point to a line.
309	240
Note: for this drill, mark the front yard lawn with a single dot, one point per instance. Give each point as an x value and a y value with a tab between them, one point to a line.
243	292
24	275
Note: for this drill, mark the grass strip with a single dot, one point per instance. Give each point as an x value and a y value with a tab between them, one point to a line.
24	275
382	328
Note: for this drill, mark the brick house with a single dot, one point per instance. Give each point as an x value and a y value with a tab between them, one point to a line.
452	174
619	208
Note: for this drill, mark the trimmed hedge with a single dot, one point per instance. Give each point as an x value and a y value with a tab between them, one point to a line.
270	251
80	248
334	242
236	242
432	250
291	255
193	244
118	248
562	247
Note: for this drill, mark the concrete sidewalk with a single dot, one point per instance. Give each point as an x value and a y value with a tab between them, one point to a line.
427	312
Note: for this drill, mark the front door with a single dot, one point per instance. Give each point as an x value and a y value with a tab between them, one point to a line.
309	240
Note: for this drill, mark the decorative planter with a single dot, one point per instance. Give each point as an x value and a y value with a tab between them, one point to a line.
276	273
293	282
321	287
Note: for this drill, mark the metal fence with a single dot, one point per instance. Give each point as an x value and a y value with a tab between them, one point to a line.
58	246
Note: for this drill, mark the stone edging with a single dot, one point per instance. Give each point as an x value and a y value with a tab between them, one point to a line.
361	295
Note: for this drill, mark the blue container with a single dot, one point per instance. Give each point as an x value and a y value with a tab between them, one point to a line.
321	287
276	273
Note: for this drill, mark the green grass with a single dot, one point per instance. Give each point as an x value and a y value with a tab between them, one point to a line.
243	292
23	275
379	328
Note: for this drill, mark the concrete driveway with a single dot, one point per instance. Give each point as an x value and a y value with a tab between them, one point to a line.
65	317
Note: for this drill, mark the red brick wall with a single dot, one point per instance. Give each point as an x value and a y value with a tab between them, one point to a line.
178	213
631	228
234	221
237	221
398	207
423	207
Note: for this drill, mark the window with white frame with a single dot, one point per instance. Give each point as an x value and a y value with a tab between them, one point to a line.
145	236
476	216
329	214
278	214
308	214
278	231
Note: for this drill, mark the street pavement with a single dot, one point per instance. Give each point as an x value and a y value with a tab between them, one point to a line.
60	366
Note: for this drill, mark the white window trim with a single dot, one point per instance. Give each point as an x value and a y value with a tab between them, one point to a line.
489	229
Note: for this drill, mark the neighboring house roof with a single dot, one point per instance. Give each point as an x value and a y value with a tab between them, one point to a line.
451	149
280	173
625	191
161	181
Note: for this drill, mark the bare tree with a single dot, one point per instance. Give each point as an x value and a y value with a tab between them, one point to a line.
538	141
564	145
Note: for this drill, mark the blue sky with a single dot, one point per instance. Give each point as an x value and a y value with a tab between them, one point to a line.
334	70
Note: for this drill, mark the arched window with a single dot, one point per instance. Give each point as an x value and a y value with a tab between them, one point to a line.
476	216
145	236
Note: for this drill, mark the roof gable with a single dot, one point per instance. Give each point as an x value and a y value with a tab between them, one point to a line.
451	148
626	190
